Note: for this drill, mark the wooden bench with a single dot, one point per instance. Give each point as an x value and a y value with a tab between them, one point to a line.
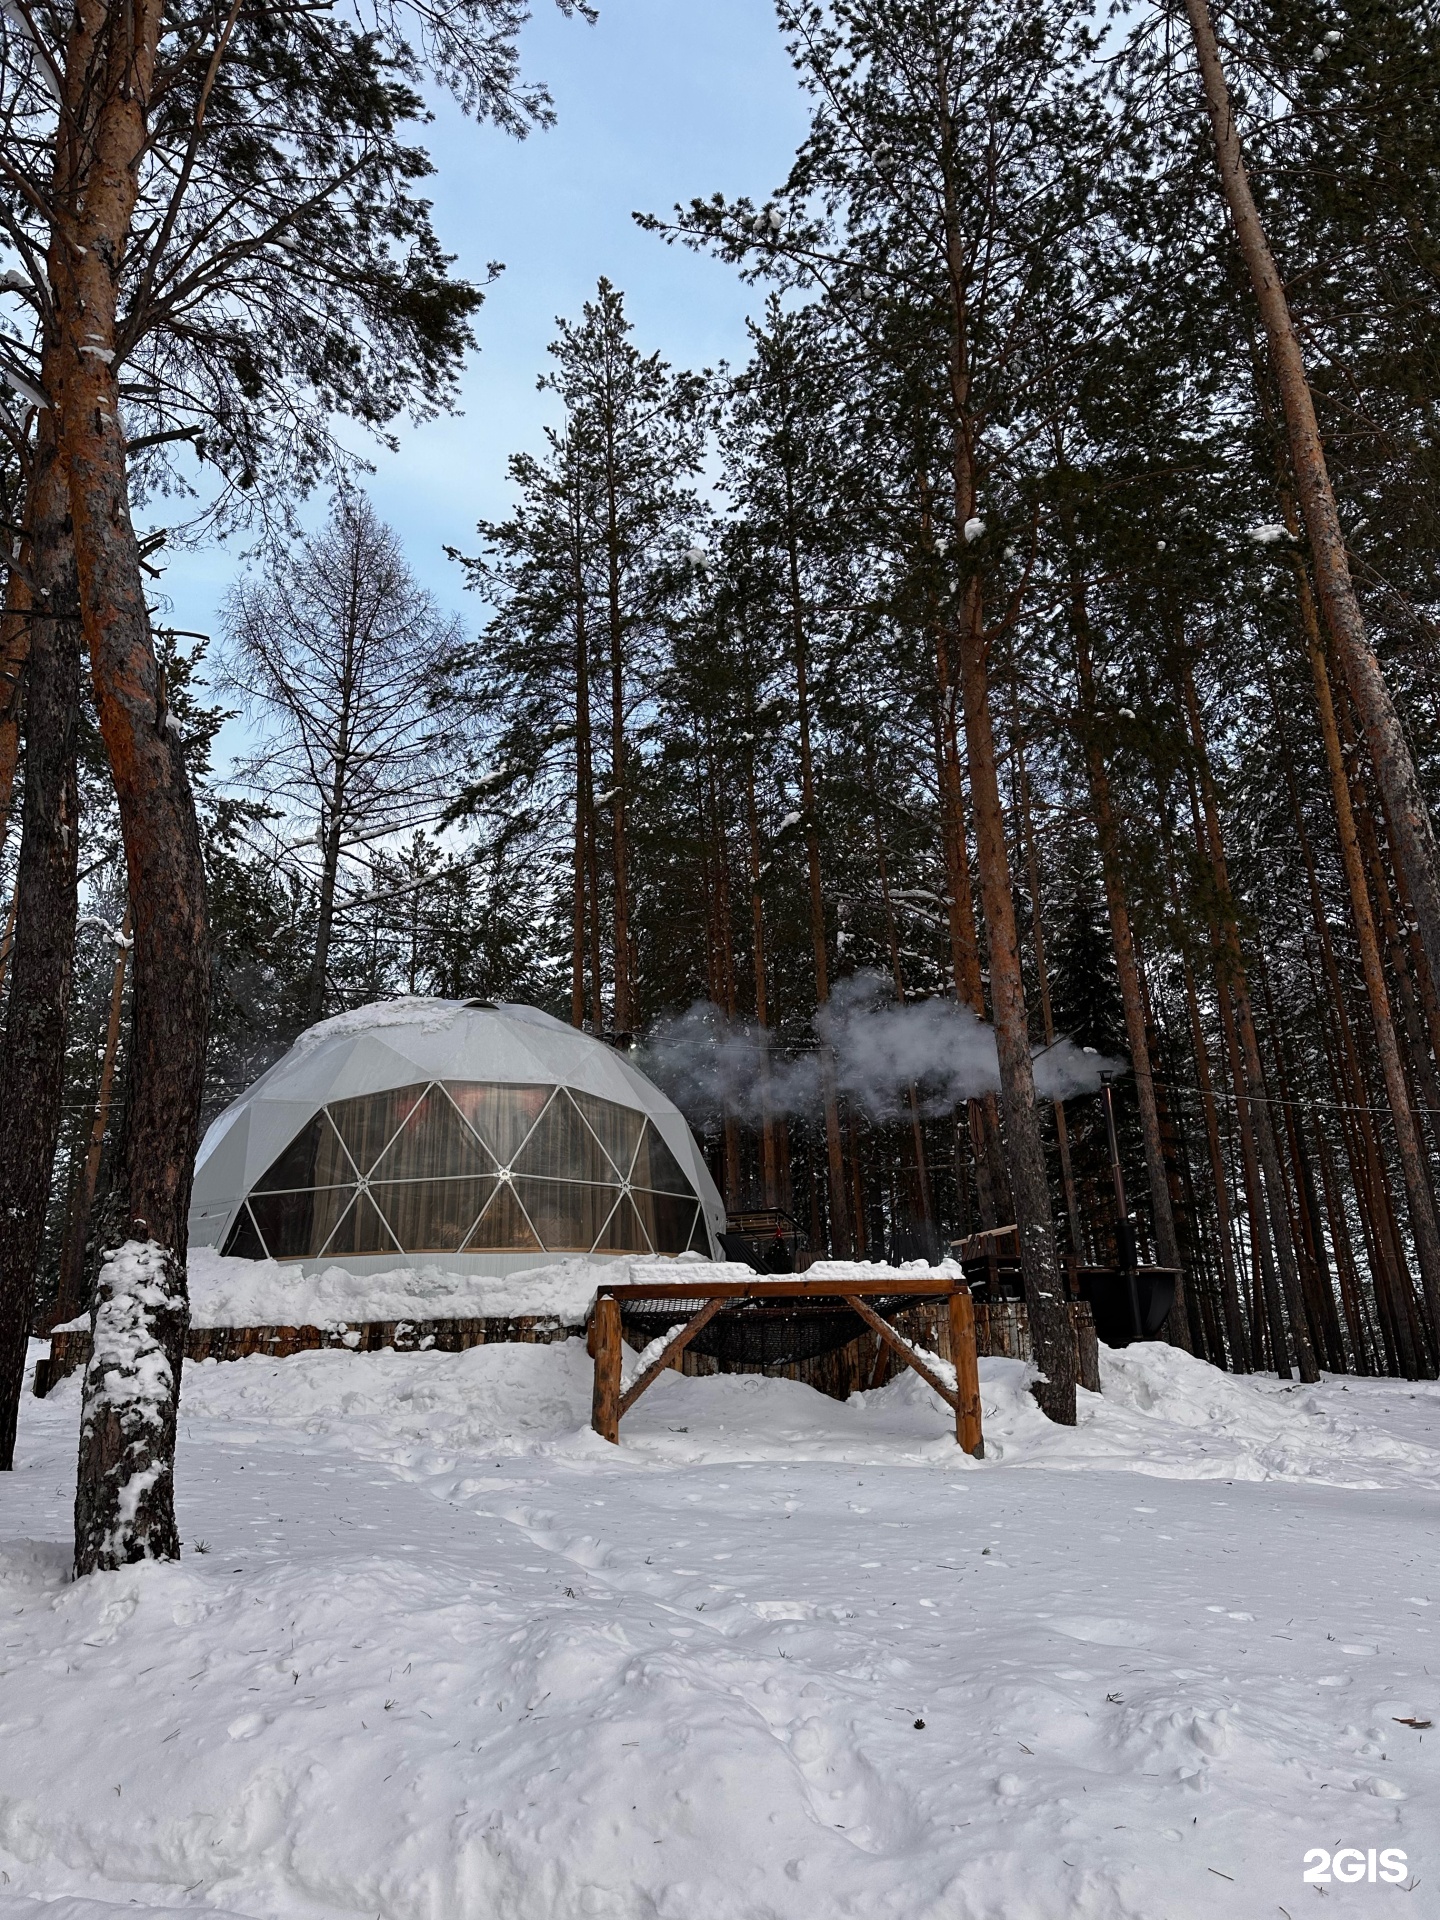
610	1404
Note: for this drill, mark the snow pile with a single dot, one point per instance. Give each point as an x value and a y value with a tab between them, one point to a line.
689	1269
408	1010
225	1292
873	1271
1165	1413
228	1292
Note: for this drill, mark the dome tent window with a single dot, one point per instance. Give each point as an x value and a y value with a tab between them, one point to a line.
431	1132
450	1167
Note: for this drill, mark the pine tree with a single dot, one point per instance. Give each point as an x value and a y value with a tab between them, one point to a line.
583	578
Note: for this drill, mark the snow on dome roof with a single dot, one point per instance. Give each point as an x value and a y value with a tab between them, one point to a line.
404	1043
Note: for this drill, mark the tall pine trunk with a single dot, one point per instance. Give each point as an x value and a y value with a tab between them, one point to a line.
1050	1331
922	1204
1350	1293
1049	1321
1414	1169
720	937
987	1146
1389	1274
1351	1098
584	786
124	1500
1264	1130
1042	970
339	804
1230	1290
619	772
14	647
841	1241
1344	623
769	1147
32	1054
1123	940
69	1297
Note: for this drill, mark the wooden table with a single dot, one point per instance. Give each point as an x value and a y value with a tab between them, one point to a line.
713	1297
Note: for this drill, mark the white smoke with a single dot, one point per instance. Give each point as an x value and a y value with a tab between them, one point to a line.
876	1047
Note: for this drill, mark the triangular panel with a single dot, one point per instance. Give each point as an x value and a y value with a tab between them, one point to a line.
361	1230
295	1226
657	1167
243	1242
431	1216
503	1225
314	1158
667	1218
434	1143
623	1232
567	1214
562	1147
369	1122
501	1115
618	1128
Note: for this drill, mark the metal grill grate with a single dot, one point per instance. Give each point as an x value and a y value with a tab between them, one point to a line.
757	1332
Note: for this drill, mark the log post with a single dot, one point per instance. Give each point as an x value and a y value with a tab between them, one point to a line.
1087	1344
605	1344
967	1373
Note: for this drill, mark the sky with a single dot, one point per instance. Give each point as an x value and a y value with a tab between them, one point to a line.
661	100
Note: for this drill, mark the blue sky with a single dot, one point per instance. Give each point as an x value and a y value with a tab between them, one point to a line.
661	100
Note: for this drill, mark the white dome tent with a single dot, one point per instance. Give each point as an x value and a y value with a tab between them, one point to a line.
451	1134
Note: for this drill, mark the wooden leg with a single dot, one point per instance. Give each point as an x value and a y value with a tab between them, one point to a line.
967	1373
605	1345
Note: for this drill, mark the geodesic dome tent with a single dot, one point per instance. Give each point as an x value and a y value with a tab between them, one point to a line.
454	1134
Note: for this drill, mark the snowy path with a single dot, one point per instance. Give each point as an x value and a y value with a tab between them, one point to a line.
447	1654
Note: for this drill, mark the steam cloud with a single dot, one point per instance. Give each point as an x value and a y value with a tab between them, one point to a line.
876	1047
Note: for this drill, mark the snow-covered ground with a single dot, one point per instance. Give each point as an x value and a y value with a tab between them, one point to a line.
434	1651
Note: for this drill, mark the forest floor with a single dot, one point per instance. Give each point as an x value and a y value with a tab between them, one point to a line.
436	1652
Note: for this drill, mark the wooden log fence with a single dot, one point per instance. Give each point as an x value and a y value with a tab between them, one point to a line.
70	1350
1001	1331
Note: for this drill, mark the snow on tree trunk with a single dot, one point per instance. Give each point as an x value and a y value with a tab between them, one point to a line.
125	1496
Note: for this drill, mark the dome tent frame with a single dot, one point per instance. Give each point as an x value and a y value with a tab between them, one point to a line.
396	1101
